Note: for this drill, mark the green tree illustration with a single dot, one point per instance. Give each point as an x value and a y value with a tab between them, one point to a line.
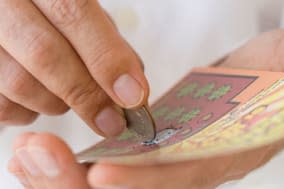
125	136
160	112
174	114
220	92
203	91
187	90
188	116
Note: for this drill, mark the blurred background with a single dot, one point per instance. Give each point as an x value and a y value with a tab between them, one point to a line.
171	37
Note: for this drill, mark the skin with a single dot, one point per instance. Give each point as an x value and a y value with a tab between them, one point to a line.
67	54
265	52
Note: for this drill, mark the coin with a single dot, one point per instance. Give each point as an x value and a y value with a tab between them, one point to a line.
140	124
141	121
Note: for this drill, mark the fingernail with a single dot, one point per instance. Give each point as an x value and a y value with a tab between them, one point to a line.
110	122
128	90
45	161
27	162
22	179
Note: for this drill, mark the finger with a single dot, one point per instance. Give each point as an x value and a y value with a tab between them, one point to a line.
22	140
49	163
243	163
14	114
182	175
20	143
14	165
202	173
41	50
22	88
110	60
265	52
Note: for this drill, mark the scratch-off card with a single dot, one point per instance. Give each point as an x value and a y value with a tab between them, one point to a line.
211	111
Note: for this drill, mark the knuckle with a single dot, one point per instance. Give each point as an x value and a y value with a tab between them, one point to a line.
39	46
106	57
66	12
42	50
17	83
80	95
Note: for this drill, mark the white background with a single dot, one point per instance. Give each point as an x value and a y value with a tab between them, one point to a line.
171	37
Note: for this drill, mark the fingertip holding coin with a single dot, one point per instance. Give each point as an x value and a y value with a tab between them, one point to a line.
139	121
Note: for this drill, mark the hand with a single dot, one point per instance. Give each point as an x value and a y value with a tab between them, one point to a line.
58	54
59	170
43	161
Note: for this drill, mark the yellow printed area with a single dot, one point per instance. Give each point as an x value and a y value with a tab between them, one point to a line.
259	124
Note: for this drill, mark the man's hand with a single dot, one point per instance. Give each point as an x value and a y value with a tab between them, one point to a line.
43	161
58	54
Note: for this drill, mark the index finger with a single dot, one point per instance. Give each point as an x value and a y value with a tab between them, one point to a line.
110	60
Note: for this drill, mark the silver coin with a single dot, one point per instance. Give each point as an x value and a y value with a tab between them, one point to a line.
141	121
